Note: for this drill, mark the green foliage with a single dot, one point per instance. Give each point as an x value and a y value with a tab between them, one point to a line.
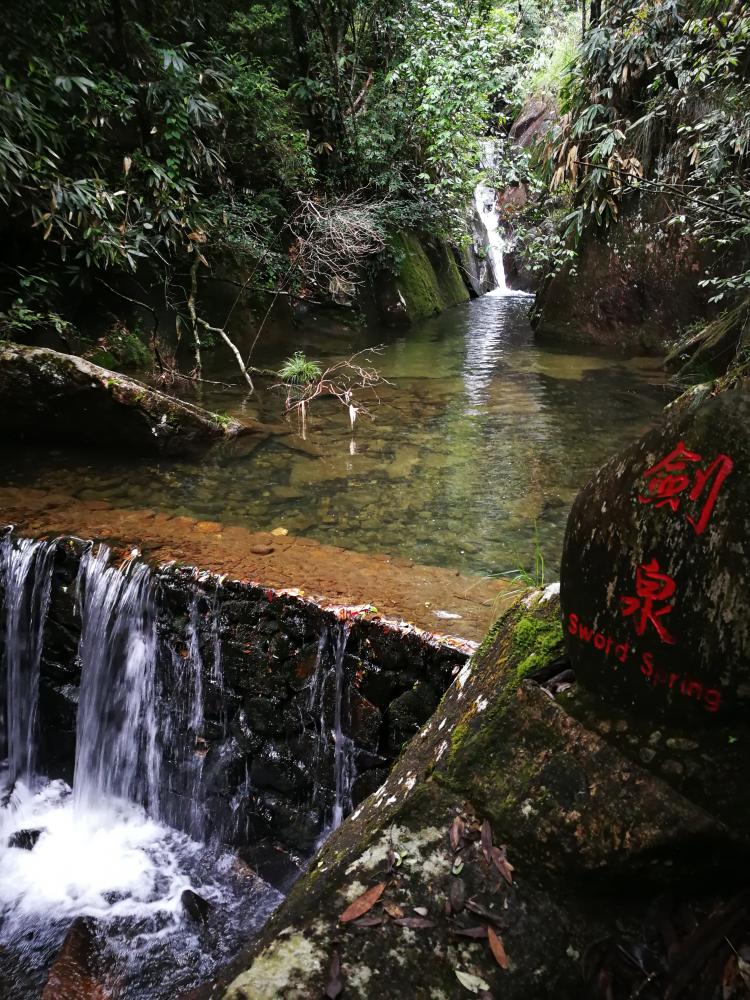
659	99
298	370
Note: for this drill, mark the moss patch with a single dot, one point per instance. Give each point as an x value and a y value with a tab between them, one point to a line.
430	282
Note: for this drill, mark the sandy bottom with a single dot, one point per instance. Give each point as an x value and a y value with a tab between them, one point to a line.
441	601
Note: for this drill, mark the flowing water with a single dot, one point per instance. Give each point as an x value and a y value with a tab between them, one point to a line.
477	446
102	849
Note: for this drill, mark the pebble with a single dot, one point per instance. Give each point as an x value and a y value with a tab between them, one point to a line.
672	767
680	743
261	550
208	527
647	754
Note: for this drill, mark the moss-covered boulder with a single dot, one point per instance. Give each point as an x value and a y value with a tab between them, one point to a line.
427	281
48	396
494	856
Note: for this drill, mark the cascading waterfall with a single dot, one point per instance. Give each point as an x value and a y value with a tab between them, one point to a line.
485	204
117	748
26	575
96	850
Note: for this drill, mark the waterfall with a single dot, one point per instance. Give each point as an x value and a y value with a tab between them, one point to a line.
117	746
26	576
329	670
485	203
343	752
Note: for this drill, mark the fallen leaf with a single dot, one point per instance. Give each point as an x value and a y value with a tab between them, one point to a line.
457	832
502	864
480	931
486	836
421	910
280	531
498	950
373	921
334	986
393	910
457	895
472	983
482	911
416	923
458	866
363	903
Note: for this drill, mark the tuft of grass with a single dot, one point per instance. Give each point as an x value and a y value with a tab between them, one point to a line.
299	370
535	576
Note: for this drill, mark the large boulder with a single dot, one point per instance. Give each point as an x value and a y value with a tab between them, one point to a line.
48	396
656	599
656	569
493	859
633	287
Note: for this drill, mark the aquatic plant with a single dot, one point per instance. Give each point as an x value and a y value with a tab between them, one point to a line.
299	370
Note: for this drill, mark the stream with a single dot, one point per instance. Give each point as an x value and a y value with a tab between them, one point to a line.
479	441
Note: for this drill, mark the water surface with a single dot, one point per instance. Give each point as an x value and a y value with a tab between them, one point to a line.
477	446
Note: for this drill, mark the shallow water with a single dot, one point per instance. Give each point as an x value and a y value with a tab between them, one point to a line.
477	445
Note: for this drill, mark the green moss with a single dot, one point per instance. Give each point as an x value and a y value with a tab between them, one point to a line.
535	641
427	286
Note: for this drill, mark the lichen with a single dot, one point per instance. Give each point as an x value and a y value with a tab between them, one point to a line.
283	969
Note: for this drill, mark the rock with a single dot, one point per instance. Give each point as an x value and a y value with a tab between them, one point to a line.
196	907
656	570
50	396
572	813
77	973
261	550
408	712
24	839
632	288
275	865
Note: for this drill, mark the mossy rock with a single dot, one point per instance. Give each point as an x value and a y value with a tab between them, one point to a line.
576	819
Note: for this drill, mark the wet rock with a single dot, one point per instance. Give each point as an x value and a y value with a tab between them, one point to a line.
196	907
24	839
572	813
77	973
656	570
408	712
365	722
273	863
61	397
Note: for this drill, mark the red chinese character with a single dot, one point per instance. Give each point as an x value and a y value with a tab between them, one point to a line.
672	476
652	588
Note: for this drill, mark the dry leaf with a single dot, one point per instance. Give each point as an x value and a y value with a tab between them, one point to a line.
363	903
482	911
334	986
393	910
457	895
496	944
457	832
416	923
480	931
372	921
471	982
486	836
421	910
502	864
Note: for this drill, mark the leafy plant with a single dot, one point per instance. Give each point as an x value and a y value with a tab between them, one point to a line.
298	370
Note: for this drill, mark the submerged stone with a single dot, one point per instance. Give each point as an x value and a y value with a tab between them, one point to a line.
24	839
656	570
76	973
196	907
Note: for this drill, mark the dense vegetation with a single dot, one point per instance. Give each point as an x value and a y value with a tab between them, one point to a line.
657	102
276	144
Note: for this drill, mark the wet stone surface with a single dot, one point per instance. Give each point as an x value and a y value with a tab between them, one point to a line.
656	570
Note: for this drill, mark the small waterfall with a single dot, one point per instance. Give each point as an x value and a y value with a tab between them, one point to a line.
117	746
343	752
485	204
26	575
329	674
